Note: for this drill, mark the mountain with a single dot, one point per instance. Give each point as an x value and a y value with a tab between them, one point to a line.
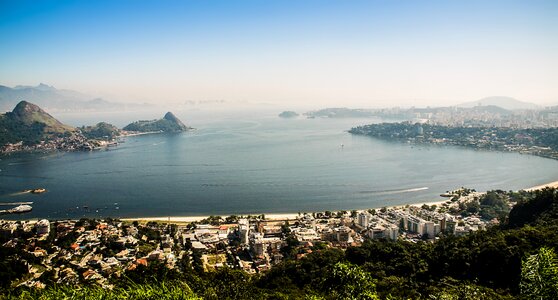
503	102
54	99
29	123
169	123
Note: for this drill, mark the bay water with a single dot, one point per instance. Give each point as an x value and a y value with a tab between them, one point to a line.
252	163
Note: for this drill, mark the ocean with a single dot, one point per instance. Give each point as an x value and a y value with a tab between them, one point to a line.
252	163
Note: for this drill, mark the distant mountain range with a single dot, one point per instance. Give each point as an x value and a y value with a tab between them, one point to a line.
53	99
503	102
503	106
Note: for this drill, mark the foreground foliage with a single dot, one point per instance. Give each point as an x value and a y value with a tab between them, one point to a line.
154	290
539	275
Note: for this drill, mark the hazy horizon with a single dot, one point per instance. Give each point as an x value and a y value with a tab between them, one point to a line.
299	54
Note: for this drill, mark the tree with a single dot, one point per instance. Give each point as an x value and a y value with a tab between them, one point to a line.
539	275
348	281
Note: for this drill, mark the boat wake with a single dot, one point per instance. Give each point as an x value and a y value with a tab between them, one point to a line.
19	193
375	192
398	191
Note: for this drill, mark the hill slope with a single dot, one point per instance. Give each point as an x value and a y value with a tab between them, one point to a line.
101	130
30	124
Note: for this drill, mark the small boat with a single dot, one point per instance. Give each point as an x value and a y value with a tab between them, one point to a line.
20	209
35	191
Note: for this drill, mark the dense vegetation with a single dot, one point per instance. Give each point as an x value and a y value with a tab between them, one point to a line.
513	260
101	130
12	131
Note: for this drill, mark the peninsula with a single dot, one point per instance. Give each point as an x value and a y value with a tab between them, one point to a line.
536	141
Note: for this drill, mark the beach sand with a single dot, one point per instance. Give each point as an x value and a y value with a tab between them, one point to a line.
270	216
553	184
188	219
429	203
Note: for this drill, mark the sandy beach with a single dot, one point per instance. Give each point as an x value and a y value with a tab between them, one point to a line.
293	216
428	203
270	216
553	184
188	219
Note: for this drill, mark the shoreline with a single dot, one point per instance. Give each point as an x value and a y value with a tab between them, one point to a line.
553	184
268	216
293	216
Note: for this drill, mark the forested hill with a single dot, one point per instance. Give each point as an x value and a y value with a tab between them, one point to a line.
169	123
29	123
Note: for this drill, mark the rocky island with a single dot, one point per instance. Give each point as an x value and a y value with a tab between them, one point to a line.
288	114
169	123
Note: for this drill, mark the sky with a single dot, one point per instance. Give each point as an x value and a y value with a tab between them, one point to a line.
321	53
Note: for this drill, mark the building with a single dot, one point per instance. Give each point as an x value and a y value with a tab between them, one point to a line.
243	230
363	219
42	227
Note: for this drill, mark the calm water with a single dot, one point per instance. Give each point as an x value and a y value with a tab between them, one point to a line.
243	164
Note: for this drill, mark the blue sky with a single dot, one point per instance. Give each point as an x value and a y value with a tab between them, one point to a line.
365	53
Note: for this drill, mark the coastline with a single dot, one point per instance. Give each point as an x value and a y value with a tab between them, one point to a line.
293	216
553	184
268	216
137	133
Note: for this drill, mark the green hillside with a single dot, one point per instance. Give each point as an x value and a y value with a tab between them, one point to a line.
30	124
101	130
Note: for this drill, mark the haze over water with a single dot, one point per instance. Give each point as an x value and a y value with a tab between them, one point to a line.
242	164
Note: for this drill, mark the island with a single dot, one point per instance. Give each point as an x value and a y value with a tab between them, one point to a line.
169	123
288	114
